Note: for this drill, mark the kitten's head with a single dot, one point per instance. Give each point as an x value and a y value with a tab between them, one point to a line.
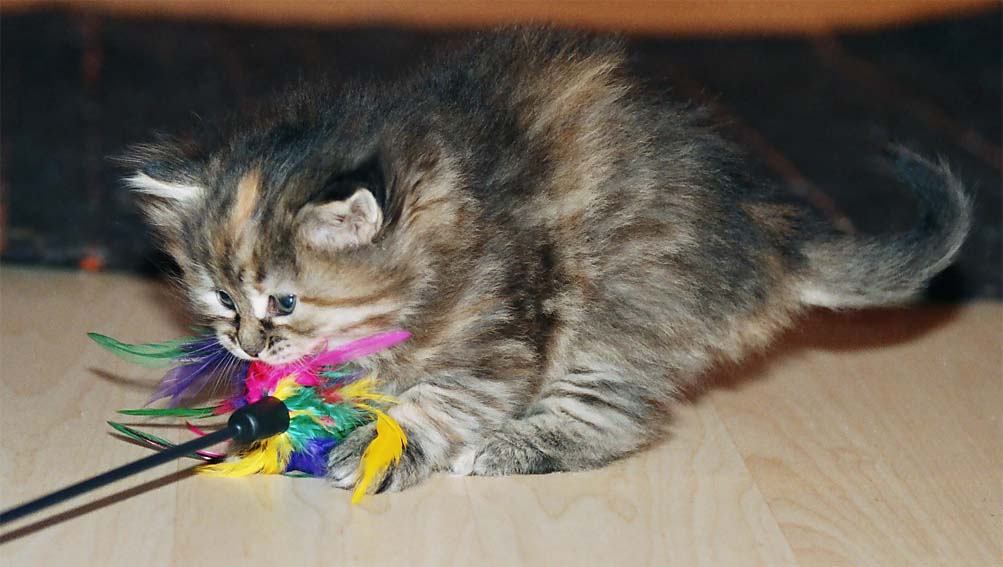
283	244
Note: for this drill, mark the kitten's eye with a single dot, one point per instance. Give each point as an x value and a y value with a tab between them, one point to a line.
226	300
284	304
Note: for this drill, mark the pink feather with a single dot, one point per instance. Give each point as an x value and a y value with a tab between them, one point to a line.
208	454
262	378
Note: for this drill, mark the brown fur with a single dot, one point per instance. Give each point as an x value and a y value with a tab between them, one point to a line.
568	251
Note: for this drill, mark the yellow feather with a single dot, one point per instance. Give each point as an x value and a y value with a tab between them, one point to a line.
266	457
383	452
359	389
269	456
286	387
364	389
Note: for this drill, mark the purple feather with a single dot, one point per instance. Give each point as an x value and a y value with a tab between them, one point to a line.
312	459
205	361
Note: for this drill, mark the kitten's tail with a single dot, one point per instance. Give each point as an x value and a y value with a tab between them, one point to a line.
859	271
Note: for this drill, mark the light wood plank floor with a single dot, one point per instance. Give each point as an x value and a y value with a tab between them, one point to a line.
860	439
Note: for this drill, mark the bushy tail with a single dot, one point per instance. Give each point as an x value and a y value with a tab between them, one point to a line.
856	271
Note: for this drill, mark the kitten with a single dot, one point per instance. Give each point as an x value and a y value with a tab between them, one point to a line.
568	251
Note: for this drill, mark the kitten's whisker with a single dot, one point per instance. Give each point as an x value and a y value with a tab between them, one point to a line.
211	384
217	375
204	348
223	380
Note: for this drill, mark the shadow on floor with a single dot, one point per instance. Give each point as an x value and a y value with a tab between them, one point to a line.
830	331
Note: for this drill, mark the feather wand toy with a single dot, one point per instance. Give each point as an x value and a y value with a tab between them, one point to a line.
327	396
321	398
254	422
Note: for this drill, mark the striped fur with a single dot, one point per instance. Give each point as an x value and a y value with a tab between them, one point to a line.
568	251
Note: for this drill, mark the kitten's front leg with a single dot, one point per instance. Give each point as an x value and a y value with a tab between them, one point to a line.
583	421
439	418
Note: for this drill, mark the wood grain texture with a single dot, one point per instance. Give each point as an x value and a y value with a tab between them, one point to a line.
861	439
683	17
876	437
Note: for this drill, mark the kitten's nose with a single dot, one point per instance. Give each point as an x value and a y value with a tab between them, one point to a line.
252	351
252	340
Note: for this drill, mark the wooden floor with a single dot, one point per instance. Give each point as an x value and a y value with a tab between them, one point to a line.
861	439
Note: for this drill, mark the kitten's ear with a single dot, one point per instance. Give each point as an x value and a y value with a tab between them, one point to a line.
348	210
176	192
163	175
342	224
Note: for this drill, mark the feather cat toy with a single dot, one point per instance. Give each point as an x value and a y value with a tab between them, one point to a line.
326	395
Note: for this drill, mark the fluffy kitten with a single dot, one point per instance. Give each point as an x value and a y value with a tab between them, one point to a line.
568	251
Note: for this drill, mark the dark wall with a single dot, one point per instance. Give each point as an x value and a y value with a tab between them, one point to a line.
813	113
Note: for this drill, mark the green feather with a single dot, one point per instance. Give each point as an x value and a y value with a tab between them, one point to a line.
341	372
140	435
155	355
196	413
148	438
343	417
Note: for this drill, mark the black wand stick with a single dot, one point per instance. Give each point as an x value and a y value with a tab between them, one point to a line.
254	422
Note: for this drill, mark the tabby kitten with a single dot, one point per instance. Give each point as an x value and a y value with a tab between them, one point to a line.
568	251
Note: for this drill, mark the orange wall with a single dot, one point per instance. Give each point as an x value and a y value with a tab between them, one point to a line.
667	16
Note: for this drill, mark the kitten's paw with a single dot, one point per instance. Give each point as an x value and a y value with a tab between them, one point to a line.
343	460
343	463
508	452
463	462
412	469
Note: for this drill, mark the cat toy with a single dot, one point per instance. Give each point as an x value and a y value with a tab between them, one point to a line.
285	419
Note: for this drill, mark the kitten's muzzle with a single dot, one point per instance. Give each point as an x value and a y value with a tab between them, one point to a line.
252	339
